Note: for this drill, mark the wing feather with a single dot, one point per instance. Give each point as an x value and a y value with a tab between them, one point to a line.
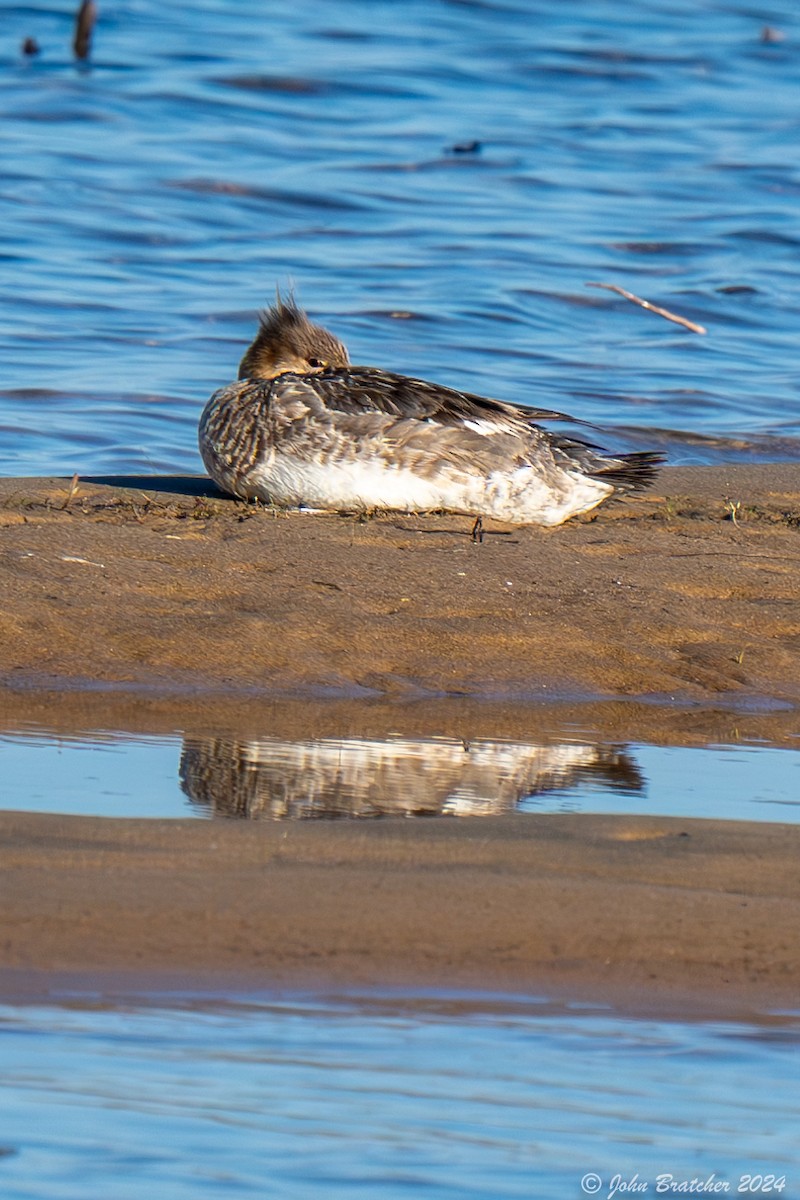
366	389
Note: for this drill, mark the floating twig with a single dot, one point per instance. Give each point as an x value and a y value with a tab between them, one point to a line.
654	308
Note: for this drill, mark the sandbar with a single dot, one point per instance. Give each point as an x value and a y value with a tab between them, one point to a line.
640	911
689	592
157	604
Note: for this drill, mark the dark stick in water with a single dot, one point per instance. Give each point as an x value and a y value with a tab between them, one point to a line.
84	26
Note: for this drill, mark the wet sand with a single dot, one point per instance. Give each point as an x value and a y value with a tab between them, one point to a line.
157	604
640	911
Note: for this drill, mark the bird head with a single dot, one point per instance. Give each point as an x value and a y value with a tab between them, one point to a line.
288	341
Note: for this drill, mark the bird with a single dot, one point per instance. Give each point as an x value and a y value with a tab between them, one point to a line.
302	427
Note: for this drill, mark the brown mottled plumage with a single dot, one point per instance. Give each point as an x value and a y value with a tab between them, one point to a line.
301	427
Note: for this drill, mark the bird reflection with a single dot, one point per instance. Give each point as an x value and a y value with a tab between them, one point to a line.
269	778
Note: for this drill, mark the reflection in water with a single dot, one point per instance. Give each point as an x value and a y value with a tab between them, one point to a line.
394	776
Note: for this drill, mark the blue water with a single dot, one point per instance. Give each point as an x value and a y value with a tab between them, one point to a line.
385	1097
152	199
108	774
150	202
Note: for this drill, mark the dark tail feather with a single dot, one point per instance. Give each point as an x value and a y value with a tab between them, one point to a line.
630	472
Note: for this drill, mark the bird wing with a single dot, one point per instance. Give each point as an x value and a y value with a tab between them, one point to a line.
354	390
372	413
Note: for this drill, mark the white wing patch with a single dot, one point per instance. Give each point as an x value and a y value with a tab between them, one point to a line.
484	427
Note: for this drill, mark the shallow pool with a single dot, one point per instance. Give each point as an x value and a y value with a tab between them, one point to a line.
113	773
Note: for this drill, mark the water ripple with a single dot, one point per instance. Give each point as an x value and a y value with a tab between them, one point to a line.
467	164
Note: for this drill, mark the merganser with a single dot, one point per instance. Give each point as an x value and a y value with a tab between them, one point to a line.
303	428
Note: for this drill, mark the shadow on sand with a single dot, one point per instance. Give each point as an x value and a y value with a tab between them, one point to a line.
179	485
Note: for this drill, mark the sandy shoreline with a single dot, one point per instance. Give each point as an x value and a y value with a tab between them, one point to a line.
156	606
637	910
166	585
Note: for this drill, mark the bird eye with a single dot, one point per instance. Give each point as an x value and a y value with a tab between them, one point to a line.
316	362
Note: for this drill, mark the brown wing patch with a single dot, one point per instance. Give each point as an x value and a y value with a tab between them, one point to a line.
366	389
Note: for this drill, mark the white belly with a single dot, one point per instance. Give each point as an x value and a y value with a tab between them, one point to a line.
520	496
